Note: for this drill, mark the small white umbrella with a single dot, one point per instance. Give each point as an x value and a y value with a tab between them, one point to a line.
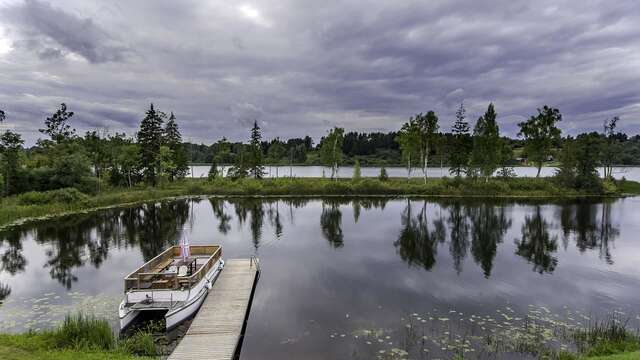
185	250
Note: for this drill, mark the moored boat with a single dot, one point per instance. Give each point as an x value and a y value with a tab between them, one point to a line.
175	282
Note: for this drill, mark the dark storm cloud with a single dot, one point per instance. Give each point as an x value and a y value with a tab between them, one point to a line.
42	24
300	67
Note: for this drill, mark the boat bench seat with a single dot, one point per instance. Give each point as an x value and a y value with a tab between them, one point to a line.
163	264
160	284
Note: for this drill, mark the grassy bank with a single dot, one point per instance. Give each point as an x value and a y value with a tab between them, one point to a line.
79	337
36	205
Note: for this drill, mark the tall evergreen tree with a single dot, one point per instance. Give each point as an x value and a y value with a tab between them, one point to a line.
255	157
57	126
173	139
540	132
150	138
3	116
459	159
486	144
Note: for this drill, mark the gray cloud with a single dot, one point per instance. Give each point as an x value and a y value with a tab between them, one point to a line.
299	68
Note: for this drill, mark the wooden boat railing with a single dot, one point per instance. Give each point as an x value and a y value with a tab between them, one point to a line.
153	269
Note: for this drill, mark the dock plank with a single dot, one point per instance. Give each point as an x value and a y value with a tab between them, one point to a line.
216	330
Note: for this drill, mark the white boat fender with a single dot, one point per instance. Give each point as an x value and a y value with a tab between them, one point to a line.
209	285
221	266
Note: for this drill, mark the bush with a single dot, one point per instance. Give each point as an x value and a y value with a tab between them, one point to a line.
67	196
84	332
141	343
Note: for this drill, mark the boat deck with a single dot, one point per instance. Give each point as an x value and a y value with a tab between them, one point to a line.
218	327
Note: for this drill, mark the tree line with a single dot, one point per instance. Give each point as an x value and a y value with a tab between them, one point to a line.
157	152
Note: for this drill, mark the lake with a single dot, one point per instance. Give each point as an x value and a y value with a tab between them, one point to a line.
354	279
628	172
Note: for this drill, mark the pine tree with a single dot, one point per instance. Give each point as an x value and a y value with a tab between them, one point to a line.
150	138
486	144
255	153
459	159
173	139
57	126
3	116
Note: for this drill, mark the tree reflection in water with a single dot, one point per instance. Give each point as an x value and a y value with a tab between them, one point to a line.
537	245
331	223
469	226
12	259
489	224
459	235
417	244
589	229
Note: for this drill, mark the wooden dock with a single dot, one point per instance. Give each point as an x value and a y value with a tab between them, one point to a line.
217	329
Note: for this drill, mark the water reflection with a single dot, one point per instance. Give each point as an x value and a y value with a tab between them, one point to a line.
459	234
331	223
537	245
419	237
420	228
588	228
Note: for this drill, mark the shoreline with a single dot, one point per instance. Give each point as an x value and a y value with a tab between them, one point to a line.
17	213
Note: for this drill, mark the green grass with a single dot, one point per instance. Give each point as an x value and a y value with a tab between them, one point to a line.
626	356
34	205
78	337
43	346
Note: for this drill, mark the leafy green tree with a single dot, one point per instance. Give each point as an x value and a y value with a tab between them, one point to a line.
428	128
10	147
356	171
150	138
255	158
166	159
610	148
214	172
173	139
71	167
129	161
331	150
408	139
486	144
540	133
461	149
57	126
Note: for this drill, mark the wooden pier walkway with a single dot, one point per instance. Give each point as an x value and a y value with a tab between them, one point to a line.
217	329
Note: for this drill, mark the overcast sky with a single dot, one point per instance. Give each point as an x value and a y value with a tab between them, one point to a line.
300	67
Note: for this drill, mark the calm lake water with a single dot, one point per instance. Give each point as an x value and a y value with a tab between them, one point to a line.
361	279
630	172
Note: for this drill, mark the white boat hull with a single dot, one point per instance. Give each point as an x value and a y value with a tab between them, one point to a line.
176	315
